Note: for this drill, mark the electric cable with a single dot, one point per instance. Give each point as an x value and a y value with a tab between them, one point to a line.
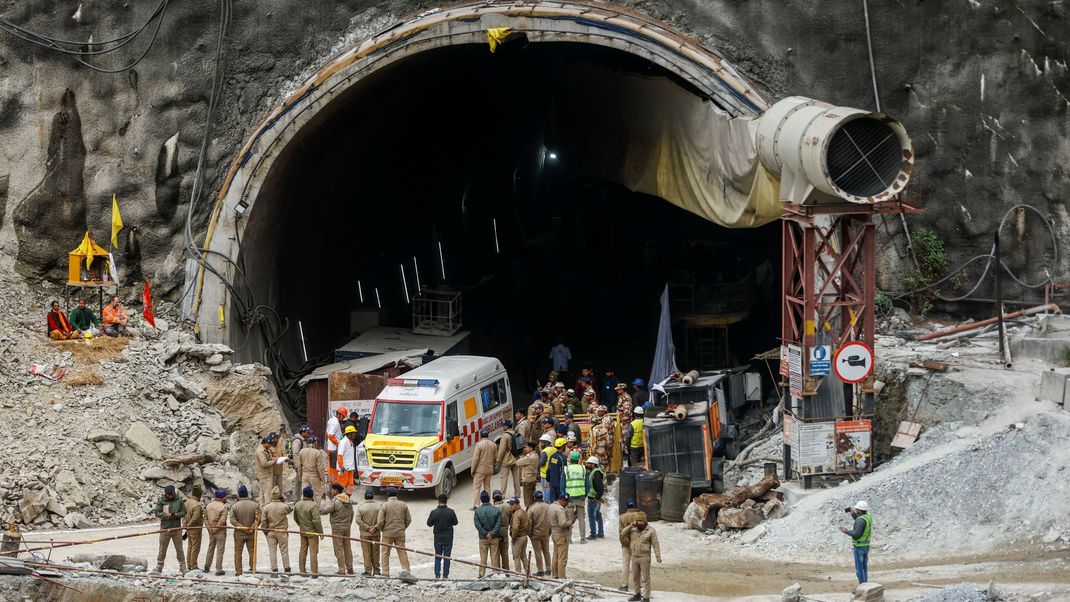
990	258
57	45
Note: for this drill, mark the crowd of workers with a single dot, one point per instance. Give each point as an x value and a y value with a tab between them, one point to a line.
83	323
557	474
504	528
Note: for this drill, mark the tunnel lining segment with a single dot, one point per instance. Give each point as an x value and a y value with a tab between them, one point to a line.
598	24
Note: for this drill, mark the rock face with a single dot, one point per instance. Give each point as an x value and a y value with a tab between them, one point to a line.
224	476
56	210
981	87
140	437
248	403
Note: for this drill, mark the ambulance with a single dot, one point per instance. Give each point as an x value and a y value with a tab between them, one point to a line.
425	423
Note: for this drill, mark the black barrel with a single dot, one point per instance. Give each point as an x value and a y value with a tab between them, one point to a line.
648	493
626	487
675	494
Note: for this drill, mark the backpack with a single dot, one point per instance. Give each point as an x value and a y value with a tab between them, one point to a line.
290	445
516	445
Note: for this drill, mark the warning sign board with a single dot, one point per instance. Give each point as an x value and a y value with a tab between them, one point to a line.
795	379
854	448
853	362
820	360
784	360
813	447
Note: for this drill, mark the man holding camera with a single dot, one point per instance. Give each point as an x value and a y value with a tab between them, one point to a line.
860	535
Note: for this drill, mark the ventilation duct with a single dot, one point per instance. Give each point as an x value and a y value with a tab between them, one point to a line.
824	153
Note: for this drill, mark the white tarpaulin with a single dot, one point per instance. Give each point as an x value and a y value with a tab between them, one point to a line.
651	135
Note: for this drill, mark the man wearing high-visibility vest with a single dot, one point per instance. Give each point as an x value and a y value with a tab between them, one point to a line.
860	535
546	451
635	446
575	486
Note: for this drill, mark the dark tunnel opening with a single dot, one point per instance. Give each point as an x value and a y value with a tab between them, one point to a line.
463	150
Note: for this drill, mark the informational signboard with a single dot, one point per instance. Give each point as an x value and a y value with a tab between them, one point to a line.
820	360
795	379
787	428
813	448
854	447
853	362
784	360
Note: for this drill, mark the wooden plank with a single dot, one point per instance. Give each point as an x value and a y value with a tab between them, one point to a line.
907	434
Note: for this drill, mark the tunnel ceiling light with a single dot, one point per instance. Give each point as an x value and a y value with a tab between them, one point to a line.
360	291
240	207
553	155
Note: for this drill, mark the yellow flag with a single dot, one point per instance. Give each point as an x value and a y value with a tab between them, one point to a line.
222	321
116	222
496	36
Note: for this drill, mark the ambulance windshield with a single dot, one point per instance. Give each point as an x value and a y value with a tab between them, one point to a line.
406	418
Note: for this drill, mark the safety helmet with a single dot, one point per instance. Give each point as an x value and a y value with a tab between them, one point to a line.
638	382
350	429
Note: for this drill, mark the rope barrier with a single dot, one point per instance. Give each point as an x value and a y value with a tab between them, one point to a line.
265	530
110	573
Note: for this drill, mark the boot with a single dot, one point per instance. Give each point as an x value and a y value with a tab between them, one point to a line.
636	598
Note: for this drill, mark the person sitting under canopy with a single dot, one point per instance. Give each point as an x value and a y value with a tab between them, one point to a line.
59	327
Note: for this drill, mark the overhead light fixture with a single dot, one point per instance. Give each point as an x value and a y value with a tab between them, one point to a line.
241	207
553	155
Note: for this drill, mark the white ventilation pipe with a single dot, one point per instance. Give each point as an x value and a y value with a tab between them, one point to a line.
823	153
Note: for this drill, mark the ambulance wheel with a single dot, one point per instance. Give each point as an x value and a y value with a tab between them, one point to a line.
445	486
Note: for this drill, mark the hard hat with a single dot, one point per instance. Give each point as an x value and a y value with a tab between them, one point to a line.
305	429
574	456
638	382
572	391
638	410
547	437
562	385
621	386
594	460
571	436
560	442
588	393
862	505
342	411
350	429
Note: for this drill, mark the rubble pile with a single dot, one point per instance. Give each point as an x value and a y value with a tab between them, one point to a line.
493	588
81	454
979	493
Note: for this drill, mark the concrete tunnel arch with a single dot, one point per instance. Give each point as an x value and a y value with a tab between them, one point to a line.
708	76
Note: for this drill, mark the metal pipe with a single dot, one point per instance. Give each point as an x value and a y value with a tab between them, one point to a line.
981	324
869	47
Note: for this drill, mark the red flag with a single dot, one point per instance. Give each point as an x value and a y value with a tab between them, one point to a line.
146	302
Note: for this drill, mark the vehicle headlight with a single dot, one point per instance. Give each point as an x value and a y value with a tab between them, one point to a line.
425	458
362	457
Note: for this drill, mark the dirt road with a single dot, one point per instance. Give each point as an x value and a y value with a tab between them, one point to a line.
692	569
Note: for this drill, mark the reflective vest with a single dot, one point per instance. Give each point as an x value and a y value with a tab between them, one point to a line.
862	541
637	433
590	484
575	481
549	451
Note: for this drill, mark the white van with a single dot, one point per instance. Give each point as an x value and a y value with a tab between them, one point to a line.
425	423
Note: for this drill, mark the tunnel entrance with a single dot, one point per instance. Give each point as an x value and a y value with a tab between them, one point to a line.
475	165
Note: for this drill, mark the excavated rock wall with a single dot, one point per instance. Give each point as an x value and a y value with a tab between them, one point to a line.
981	85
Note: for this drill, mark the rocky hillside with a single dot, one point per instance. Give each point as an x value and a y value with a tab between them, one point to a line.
980	84
87	448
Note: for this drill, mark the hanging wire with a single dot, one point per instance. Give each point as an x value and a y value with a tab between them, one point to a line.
990	258
65	46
